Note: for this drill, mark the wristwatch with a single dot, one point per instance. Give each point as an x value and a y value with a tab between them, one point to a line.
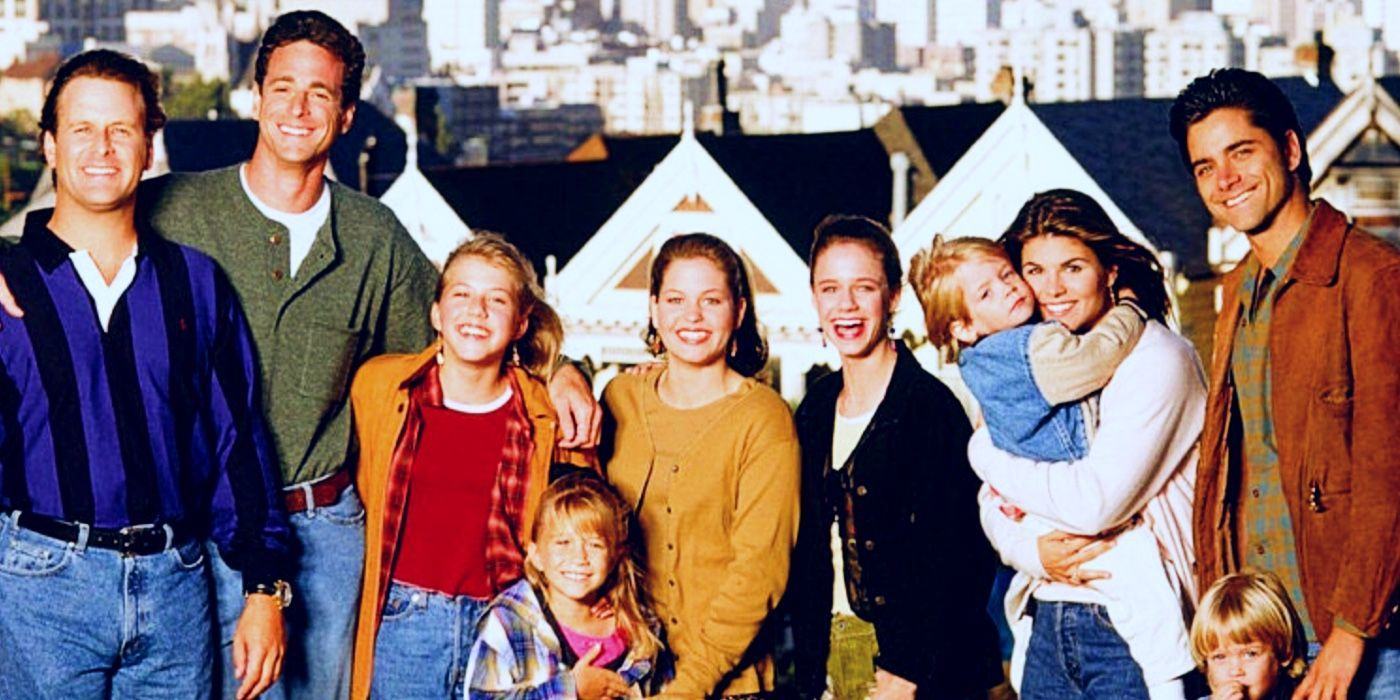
280	590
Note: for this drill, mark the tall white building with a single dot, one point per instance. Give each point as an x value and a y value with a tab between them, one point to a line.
461	34
959	22
1190	46
351	13
1059	62
19	25
195	29
913	20
660	19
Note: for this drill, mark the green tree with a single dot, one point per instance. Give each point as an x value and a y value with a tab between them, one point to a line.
193	97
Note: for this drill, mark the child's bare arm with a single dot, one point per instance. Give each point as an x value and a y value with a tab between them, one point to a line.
1067	367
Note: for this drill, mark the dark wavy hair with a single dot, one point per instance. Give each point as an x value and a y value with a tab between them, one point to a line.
109	65
748	350
1075	214
319	29
1267	106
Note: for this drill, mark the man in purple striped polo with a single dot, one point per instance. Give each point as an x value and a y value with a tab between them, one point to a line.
130	428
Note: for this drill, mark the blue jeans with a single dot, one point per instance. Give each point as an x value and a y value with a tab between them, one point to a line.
425	640
1075	653
330	545
1378	676
82	622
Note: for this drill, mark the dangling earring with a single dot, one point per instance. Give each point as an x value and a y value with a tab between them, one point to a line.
733	347
822	333
515	353
440	358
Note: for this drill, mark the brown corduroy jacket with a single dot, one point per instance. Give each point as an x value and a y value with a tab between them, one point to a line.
1334	349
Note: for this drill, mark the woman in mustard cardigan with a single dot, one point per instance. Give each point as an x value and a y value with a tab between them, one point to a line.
708	458
456	445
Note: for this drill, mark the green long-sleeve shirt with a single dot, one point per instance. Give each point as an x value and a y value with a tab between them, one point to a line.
364	289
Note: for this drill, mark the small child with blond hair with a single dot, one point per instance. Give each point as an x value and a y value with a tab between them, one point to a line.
1036	385
1248	638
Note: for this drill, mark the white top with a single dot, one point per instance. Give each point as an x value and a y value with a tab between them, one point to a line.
844	439
846	436
104	296
301	227
487	407
1143	460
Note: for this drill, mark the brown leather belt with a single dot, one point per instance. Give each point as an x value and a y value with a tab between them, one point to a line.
304	497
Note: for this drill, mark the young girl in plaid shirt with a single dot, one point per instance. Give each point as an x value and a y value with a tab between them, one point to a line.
576	627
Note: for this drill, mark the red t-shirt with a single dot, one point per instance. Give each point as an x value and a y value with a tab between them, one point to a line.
443	546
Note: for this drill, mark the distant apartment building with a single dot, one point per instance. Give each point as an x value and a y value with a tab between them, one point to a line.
193	32
399	46
470	125
1190	46
1057	62
72	21
461	35
19	25
658	19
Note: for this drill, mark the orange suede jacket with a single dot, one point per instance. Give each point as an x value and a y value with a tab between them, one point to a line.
379	398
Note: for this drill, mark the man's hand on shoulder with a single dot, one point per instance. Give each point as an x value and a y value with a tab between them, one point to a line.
580	419
259	645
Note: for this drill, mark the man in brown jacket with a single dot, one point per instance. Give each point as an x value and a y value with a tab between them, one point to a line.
1297	474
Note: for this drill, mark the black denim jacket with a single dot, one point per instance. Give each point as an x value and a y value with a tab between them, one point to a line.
917	564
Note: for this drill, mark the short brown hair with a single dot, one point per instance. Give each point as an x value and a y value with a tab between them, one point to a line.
931	276
108	65
319	29
1249	606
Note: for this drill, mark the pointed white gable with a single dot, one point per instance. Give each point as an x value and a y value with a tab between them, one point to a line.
601	294
1015	158
687	192
430	220
1367	105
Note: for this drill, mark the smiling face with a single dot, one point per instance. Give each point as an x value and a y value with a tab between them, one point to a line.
478	314
1252	666
298	105
852	298
1244	177
694	313
575	563
98	148
1071	285
995	296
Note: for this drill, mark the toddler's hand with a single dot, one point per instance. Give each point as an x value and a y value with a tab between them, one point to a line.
597	682
1229	690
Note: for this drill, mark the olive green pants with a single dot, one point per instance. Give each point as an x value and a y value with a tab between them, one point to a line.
851	663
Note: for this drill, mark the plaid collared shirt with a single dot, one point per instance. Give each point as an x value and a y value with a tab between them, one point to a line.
1265	524
504	530
518	654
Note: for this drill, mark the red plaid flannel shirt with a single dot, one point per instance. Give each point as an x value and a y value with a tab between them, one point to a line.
504	537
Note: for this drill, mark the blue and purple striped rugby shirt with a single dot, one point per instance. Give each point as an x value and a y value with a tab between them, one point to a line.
156	420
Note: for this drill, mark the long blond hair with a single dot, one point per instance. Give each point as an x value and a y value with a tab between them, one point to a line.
538	348
588	505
